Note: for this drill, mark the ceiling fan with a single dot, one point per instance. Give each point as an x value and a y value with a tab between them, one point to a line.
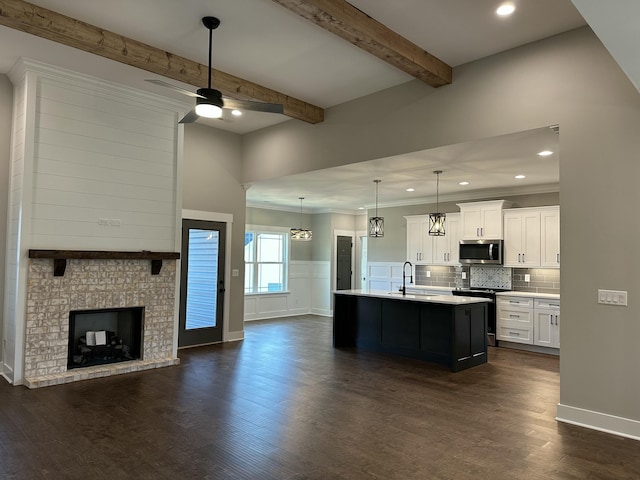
209	101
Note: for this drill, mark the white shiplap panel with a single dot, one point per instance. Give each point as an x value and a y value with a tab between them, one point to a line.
104	160
124	186
145	125
86	146
58	123
89	214
101	202
105	100
102	154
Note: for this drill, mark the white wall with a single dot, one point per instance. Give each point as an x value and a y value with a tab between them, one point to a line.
570	80
6	102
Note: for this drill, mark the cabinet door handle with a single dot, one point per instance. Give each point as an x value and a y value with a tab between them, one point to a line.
556	320
557	258
523	258
482	231
477	232
550	319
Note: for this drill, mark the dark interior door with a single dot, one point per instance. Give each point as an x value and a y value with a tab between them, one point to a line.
343	263
201	282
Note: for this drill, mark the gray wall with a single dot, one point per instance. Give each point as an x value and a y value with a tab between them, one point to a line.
278	218
570	80
211	172
6	107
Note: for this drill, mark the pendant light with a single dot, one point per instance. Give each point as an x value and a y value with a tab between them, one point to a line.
436	220
376	224
300	234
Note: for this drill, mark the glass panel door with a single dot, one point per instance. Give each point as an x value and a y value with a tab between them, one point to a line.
201	283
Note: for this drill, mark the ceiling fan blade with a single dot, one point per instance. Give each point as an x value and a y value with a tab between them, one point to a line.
173	87
190	117
254	106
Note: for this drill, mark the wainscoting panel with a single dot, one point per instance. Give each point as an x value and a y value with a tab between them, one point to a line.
309	292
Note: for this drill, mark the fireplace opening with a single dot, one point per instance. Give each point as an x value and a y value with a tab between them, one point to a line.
99	337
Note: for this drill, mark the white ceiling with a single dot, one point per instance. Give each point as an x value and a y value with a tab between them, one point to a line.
263	42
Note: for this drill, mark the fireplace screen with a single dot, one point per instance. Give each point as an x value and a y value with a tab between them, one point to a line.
98	337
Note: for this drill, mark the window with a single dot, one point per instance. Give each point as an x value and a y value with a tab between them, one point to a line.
265	261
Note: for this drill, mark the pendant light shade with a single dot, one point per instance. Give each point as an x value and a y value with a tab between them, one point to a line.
376	224
300	234
437	220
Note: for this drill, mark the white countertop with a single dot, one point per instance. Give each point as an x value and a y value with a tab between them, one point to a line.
427	287
443	299
515	293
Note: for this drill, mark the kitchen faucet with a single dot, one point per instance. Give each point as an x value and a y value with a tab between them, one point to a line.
404	277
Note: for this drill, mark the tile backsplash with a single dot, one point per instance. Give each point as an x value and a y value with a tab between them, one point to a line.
542	280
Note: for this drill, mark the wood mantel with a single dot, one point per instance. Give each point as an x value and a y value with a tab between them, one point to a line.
60	257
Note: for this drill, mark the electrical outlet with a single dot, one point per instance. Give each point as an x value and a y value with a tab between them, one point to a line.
612	297
428	273
527	277
464	275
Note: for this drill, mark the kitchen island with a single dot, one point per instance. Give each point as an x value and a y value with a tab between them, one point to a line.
448	330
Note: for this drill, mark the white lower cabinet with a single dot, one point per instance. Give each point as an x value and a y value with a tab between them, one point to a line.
514	319
546	323
528	320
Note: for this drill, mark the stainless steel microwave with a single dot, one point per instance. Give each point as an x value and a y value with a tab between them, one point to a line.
486	252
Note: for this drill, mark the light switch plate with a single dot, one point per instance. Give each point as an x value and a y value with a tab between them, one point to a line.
612	297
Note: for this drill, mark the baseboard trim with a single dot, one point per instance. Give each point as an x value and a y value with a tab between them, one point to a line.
603	422
235	336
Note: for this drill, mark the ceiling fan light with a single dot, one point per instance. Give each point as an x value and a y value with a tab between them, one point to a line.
208	110
209	104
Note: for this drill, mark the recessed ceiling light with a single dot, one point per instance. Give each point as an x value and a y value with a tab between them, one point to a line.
506	9
463	183
236	113
545	153
520	177
360	208
411	189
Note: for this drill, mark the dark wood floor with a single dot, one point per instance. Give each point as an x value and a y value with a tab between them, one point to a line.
283	404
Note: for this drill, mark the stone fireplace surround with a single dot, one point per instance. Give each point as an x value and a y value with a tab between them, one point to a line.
95	284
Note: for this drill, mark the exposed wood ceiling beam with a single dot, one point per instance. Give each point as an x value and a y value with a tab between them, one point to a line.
59	28
353	25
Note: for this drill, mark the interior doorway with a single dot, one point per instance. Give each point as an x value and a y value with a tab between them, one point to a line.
344	259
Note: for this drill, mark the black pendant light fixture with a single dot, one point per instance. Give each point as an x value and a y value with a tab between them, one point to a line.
300	234
436	220
376	224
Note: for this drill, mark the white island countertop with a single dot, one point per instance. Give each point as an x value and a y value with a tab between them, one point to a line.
443	299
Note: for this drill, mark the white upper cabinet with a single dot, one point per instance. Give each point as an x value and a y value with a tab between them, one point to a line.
550	234
522	238
482	219
419	243
532	237
446	248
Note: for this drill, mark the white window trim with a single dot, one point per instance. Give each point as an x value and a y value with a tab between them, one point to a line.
287	260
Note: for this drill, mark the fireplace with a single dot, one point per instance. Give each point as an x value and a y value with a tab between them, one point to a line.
108	287
104	336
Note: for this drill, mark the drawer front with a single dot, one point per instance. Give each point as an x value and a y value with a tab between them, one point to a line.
547	304
519	302
515	334
515	317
